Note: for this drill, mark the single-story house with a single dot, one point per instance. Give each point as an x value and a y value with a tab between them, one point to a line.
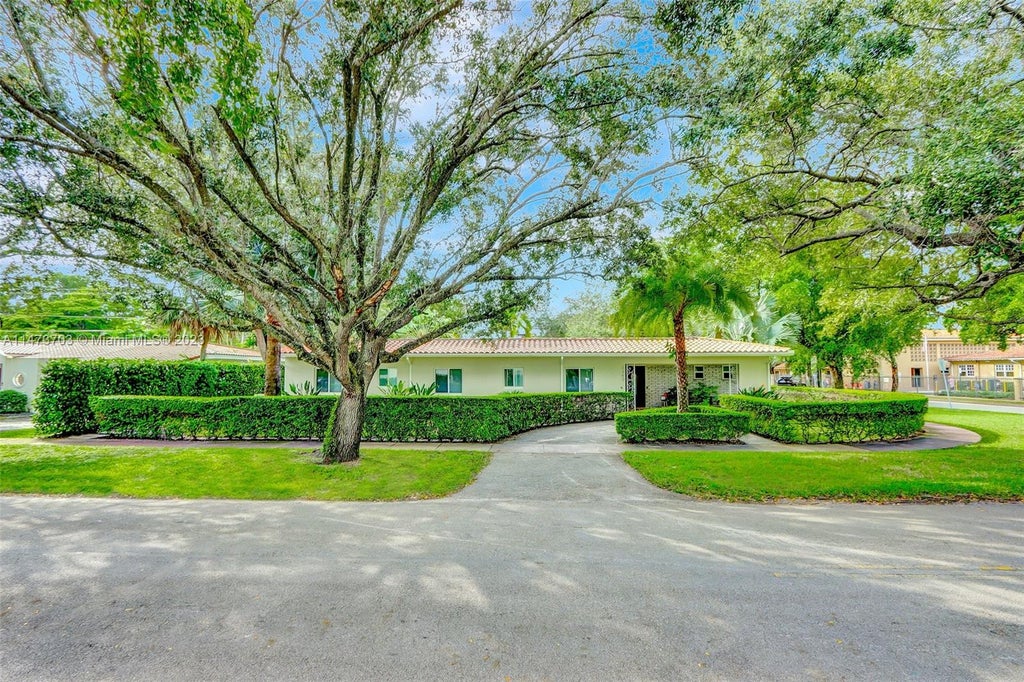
21	363
1000	371
643	367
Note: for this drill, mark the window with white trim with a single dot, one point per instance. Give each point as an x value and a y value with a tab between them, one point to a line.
1004	371
325	383
514	377
448	380
387	376
729	372
579	380
698	371
966	370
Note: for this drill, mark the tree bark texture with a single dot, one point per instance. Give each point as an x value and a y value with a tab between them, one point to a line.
679	330
272	372
346	429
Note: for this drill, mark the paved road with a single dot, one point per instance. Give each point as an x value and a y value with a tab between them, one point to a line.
559	563
984	407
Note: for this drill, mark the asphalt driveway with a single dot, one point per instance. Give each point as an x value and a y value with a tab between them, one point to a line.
559	563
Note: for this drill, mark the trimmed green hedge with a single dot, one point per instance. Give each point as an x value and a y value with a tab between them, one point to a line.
388	418
698	423
62	399
988	395
810	415
13	402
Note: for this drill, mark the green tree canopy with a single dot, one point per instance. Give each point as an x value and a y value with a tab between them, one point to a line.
346	167
657	300
47	303
894	130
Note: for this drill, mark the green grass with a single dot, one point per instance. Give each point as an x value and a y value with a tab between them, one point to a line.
29	432
990	470
255	473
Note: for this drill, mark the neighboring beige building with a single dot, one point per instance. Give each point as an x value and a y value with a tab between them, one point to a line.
643	367
918	365
999	371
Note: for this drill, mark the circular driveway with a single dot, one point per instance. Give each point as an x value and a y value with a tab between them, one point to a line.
560	562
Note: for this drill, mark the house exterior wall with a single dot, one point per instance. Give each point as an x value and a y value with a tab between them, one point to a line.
29	370
484	375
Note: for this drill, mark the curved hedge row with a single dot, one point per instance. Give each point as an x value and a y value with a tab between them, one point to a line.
407	418
698	423
809	415
13	402
62	399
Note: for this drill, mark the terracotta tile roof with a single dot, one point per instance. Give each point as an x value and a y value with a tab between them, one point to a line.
603	346
127	349
1012	353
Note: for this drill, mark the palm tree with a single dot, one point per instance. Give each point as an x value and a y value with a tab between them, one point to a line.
197	323
659	298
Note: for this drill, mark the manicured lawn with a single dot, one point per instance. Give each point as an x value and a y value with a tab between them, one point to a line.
991	470
257	473
29	432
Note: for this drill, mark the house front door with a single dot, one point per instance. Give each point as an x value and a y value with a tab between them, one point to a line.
636	384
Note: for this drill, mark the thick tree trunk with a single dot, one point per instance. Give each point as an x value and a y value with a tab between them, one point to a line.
203	345
894	374
272	367
346	429
679	330
837	377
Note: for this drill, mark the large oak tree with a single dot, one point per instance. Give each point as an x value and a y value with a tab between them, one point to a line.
341	167
892	129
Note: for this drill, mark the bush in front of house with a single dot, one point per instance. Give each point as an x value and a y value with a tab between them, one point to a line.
13	402
811	415
482	419
990	395
62	399
665	424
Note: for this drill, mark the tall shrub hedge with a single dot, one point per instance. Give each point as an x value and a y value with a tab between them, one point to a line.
13	402
62	399
698	423
407	418
808	415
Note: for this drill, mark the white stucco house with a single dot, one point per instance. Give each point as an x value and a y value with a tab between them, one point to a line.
476	367
643	367
21	364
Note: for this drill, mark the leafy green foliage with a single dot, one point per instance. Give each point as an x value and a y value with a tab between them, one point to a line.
305	388
674	284
761	392
350	169
12	402
62	404
703	394
996	317
69	305
808	415
885	136
665	424
587	315
401	389
414	418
